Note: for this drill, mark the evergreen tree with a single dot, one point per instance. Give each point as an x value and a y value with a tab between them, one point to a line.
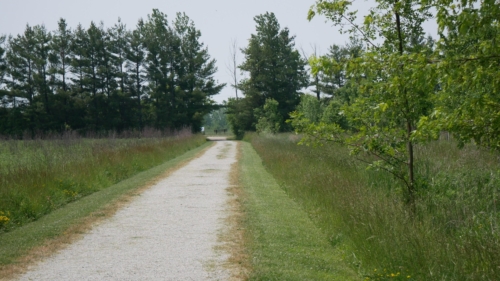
60	55
135	54
98	80
3	66
162	49
78	60
41	76
195	75
118	48
275	68
21	69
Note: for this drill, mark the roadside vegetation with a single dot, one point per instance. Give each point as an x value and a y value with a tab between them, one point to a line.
283	243
409	204
39	239
37	177
453	235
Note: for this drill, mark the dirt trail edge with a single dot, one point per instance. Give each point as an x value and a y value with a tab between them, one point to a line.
169	232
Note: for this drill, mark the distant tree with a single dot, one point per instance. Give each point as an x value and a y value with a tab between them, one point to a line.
118	48
78	60
21	70
232	66
275	68
120	101
180	72
240	115
3	66
216	119
268	118
135	55
60	55
41	76
196	80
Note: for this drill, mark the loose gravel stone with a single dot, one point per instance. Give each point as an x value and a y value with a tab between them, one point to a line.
169	232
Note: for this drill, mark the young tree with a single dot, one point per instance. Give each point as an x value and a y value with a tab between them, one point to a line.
394	92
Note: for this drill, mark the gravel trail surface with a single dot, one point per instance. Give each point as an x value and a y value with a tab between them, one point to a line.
169	232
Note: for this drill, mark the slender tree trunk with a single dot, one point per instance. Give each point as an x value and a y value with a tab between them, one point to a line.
138	85
318	93
409	144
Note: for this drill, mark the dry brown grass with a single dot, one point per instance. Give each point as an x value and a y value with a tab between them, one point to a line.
234	238
76	232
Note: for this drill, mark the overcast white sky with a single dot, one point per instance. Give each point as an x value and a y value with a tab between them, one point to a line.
219	21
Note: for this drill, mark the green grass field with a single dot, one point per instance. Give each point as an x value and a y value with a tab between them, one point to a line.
453	236
284	243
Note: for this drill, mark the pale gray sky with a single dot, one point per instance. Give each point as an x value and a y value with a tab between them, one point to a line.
219	21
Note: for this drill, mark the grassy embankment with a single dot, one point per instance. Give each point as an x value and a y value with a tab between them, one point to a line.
283	242
24	244
454	235
37	177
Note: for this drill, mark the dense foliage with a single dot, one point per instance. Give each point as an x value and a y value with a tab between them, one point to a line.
99	79
403	89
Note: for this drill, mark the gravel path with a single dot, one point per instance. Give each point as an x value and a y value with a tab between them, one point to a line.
168	233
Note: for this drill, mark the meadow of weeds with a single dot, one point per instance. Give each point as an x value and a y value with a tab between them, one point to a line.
452	235
38	176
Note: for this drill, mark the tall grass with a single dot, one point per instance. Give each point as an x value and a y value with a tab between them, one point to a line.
39	176
454	235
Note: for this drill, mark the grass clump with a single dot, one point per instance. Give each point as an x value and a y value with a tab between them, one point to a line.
453	235
38	177
284	242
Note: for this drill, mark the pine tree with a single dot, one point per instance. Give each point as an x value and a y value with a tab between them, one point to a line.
135	54
196	75
21	69
41	76
275	67
3	66
60	55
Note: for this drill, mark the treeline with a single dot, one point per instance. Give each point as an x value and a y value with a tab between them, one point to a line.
99	79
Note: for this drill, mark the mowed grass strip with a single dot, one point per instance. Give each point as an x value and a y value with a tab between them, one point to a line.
284	242
26	244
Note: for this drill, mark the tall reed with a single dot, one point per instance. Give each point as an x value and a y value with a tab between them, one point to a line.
454	236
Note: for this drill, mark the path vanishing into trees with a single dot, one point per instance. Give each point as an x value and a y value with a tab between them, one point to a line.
169	232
